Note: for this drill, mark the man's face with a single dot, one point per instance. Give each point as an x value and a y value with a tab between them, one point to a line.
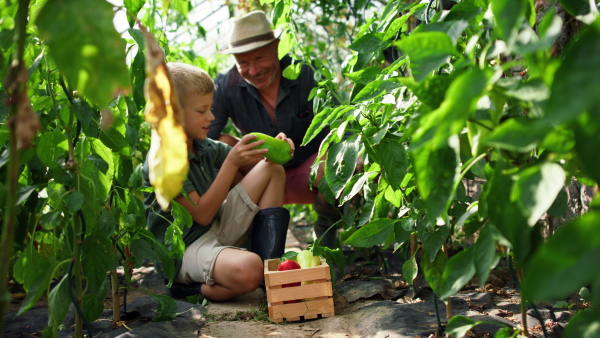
259	67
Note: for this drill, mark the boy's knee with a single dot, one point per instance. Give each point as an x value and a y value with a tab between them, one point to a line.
251	271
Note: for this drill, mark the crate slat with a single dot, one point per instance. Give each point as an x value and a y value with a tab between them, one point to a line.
307	291
308	310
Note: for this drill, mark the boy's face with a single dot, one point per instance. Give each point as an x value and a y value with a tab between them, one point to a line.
198	115
259	67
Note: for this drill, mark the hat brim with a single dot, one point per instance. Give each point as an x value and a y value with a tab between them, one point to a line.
251	46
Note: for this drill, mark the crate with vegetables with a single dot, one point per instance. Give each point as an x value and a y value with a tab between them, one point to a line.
298	287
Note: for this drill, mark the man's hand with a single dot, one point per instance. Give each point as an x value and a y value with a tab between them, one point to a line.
282	136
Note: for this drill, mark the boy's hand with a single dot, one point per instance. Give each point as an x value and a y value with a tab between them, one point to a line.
244	154
282	136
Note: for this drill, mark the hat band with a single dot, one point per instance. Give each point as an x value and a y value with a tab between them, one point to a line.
263	37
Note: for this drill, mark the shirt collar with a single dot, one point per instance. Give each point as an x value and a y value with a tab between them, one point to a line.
199	148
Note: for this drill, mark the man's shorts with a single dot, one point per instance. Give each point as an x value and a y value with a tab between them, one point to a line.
297	188
228	231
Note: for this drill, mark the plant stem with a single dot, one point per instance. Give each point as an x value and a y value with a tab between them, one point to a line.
116	299
77	275
449	300
14	88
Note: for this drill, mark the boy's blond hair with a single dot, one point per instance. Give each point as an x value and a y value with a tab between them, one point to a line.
188	80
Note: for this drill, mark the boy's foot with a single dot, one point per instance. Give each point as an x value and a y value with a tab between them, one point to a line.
180	290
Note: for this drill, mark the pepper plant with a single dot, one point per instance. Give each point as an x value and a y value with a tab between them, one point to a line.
427	95
475	90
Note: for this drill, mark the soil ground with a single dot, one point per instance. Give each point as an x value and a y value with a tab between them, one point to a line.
371	300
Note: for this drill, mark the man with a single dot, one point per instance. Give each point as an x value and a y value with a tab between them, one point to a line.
257	98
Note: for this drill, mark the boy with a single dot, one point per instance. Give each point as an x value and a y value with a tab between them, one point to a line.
212	265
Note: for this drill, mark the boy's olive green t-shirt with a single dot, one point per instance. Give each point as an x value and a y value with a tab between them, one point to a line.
207	158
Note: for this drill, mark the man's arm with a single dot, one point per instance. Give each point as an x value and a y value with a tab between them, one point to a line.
219	109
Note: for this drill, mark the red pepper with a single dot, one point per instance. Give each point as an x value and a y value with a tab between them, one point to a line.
289	265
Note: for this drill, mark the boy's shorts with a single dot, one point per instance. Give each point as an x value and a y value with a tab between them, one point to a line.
228	231
297	188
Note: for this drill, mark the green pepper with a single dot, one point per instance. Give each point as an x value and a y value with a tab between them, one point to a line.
280	152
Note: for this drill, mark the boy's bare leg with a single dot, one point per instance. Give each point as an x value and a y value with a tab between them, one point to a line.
265	184
236	272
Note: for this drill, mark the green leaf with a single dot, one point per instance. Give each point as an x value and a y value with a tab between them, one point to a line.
433	270
459	105
519	134
85	46
93	302
505	214
182	6
286	41
38	287
116	142
393	196
536	188
587	129
292	71
24	192
369	43
578	7
372	233
433	237
403	229
375	89
569	260
181	216
106	223
471	11
133	7
584	324
575	88
174	240
427	51
58	303
98	259
365	76
136	180
410	269
340	165
453	28
323	119
394	161
51	220
51	146
459	271
166	309
509	15
141	249
485	254
74	201
96	185
459	325
437	172
559	207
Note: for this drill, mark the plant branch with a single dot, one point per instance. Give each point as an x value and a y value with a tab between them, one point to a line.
14	87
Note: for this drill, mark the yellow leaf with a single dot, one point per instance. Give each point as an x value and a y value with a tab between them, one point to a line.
168	156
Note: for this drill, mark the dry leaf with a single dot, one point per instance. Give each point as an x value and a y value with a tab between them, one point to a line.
168	156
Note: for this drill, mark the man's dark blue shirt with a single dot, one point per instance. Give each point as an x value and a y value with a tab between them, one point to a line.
236	99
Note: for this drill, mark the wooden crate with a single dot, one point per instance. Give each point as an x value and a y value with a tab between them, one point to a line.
313	300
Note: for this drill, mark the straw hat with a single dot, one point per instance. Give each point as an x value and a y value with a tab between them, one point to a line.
249	32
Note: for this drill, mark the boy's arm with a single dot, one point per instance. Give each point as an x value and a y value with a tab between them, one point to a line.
207	205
